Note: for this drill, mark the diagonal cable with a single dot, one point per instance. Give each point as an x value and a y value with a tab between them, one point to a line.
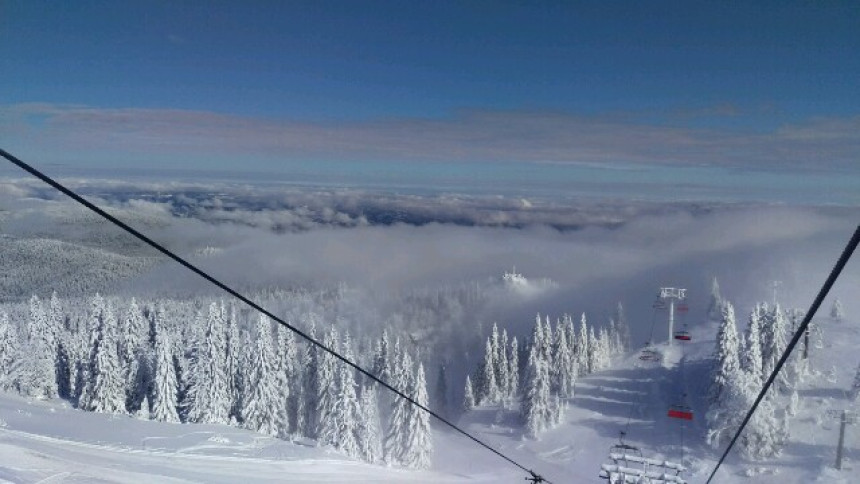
834	274
533	476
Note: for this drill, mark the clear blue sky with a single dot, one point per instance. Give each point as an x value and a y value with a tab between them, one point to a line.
616	84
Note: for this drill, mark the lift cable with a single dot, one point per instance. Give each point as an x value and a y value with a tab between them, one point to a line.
834	274
533	476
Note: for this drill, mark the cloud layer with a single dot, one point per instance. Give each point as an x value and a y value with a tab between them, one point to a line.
820	144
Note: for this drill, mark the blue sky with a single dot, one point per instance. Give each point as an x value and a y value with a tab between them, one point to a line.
763	87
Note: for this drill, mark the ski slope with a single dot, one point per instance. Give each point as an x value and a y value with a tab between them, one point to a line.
50	442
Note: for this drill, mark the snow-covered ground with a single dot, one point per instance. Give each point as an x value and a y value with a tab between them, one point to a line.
50	442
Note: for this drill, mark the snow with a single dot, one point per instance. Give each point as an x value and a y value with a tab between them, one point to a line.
49	441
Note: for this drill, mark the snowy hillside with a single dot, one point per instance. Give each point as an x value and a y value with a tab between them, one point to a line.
40	440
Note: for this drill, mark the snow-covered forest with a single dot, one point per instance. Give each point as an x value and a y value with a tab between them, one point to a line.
546	367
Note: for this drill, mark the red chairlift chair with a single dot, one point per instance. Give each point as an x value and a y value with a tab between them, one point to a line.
683	335
682	412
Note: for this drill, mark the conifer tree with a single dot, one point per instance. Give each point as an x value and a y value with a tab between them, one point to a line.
727	361
310	379
232	359
164	405
775	327
623	327
562	381
36	376
208	398
729	386
327	381
8	351
134	356
514	370
855	387
368	426
347	410
418	443
285	374
766	433
490	393
837	312
503	367
583	347
395	435
261	405
593	352
536	409
752	360
468	395
106	388
381	365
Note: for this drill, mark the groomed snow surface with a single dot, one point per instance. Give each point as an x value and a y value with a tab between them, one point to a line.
50	442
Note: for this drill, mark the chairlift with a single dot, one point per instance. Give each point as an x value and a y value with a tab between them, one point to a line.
649	354
624	449
683	335
682	308
682	412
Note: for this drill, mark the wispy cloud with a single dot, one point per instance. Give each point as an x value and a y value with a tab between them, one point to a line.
476	136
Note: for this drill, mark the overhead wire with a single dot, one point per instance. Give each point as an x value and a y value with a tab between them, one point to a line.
533	476
834	274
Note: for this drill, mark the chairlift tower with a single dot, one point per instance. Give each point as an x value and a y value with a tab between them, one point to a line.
672	294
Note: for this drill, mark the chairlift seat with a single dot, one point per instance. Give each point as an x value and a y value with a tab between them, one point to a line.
682	308
683	335
680	412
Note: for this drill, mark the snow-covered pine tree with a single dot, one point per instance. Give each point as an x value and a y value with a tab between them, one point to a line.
310	381
395	435
751	359
593	352
514	370
261	403
165	403
714	307
503	367
381	366
726	355
623	327
106	388
582	347
58	342
490	388
615	345
766	433
562	380
327	381
36	376
604	355
469	395
536	406
546	342
729	384
347	409
368	426
285	374
232	359
419	442
135	356
8	351
837	312
208	398
775	326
